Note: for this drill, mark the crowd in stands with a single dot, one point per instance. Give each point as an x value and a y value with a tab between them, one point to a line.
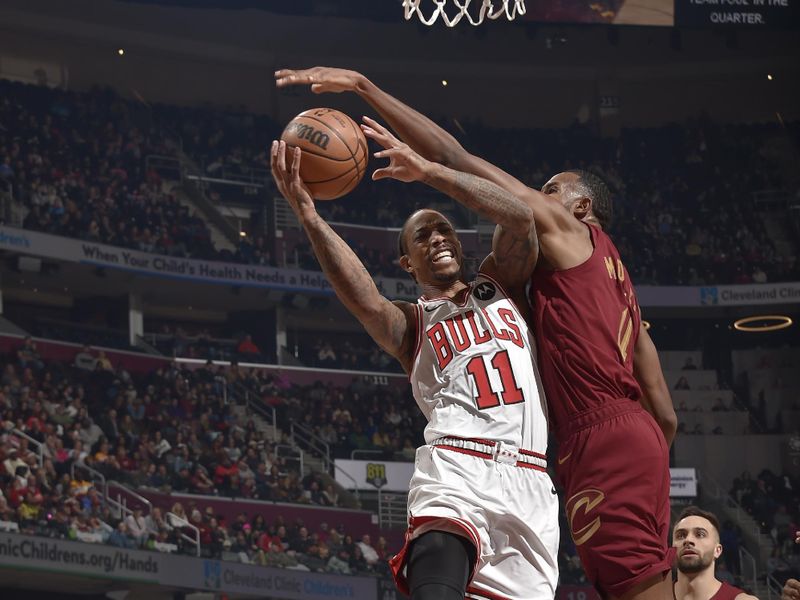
77	162
188	341
353	353
167	430
362	416
774	502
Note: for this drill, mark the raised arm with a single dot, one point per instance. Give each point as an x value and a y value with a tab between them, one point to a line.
391	325
424	136
514	245
655	393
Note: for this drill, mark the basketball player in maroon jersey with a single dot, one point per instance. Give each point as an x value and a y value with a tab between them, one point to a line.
609	404
696	538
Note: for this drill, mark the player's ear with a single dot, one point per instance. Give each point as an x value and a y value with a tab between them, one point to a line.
717	551
405	264
582	207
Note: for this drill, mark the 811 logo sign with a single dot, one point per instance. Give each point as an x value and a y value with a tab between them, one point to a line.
376	474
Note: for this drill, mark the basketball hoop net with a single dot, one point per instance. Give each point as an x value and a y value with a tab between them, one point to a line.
509	8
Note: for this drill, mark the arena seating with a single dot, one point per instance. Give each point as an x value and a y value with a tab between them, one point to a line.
774	501
665	228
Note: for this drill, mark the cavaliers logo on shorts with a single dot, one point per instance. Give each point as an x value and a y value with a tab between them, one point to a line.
583	518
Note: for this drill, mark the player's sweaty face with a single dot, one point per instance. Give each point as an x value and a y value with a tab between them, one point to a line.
560	189
433	248
696	541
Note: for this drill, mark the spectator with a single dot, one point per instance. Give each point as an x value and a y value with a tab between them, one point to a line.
121	538
247	348
369	553
28	355
137	526
85	360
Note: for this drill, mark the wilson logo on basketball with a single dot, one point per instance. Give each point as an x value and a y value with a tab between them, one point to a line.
307	132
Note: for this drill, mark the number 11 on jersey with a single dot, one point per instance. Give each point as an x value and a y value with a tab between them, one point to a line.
486	397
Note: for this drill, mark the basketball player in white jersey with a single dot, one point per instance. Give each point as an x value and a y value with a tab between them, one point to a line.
483	514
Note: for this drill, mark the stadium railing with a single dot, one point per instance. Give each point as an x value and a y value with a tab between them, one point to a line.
307	440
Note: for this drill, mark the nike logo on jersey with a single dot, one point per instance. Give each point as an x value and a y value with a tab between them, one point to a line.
433	308
564	458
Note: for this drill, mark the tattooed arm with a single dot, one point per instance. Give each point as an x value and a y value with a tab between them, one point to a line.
515	247
391	324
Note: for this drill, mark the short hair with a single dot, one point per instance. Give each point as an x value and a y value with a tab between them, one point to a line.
596	189
401	237
401	242
696	511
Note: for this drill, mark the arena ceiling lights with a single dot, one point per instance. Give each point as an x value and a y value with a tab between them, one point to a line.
762	323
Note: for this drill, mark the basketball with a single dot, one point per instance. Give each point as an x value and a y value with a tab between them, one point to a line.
334	151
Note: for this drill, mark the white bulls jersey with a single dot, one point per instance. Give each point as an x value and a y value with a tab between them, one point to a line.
474	373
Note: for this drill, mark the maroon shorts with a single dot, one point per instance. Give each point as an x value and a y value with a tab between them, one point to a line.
614	466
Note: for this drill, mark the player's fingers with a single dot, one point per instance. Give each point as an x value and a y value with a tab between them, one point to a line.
296	155
284	77
388	153
273	159
378	127
384	173
273	152
317	88
282	160
374	135
367	127
293	78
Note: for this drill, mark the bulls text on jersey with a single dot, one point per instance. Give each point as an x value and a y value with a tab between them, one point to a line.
462	336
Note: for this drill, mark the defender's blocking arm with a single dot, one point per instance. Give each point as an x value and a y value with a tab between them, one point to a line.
655	392
429	139
514	245
391	325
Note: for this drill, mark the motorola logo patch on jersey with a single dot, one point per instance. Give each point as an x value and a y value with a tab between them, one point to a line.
484	291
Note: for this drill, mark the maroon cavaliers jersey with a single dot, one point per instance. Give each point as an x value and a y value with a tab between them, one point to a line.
727	592
586	321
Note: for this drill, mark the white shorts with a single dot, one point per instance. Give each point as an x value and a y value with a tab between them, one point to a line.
510	514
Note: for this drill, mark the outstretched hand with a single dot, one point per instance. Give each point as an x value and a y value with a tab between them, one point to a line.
321	79
288	180
404	164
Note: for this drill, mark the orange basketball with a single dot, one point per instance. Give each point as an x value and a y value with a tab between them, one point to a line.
334	151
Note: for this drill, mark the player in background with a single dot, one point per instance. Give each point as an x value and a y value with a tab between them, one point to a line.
483	515
696	539
609	403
